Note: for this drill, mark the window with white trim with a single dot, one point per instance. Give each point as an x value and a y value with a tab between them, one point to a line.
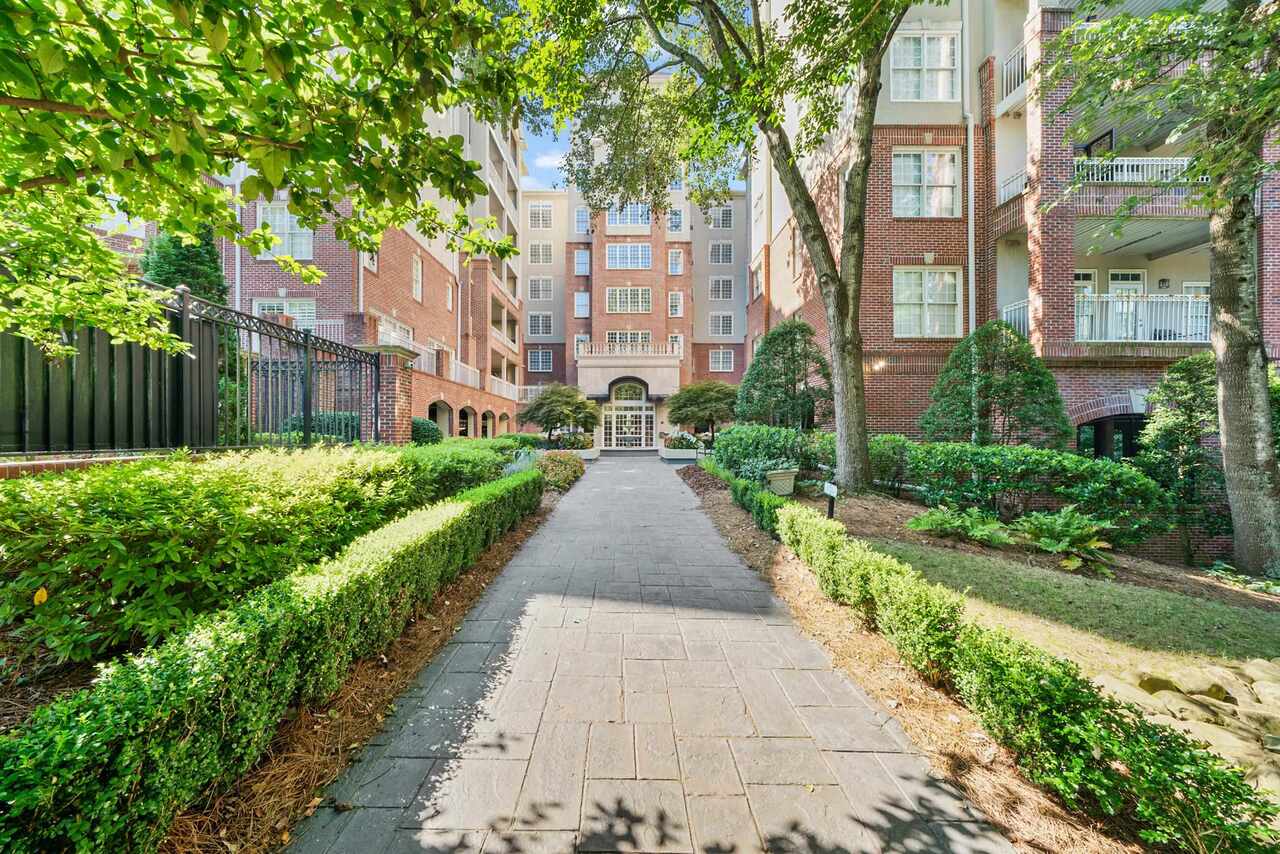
580	341
675	304
303	311
539	361
370	260
924	67
1130	281
675	262
540	215
540	252
539	323
448	296
628	256
720	251
926	183
926	302
720	217
628	336
632	214
628	300
582	262
416	267
721	361
720	323
676	343
581	220
721	287
539	288
675	220
295	241
582	303
757	282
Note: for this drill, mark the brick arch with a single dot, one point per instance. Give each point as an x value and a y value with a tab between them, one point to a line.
1131	401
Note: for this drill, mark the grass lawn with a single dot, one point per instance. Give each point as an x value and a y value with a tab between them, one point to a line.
1102	625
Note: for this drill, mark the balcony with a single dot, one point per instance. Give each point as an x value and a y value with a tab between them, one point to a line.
502	388
1131	170
1157	183
1142	318
427	360
1018	316
1012	187
463	374
602	362
1012	79
530	393
333	330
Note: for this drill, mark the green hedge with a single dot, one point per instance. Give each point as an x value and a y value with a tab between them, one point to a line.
424	431
753	497
345	424
106	769
743	442
127	553
1098	755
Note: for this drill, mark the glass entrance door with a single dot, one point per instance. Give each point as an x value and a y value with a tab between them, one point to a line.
628	427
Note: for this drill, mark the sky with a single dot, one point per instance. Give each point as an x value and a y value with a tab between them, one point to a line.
542	159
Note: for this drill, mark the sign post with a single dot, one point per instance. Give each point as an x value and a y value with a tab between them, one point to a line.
830	490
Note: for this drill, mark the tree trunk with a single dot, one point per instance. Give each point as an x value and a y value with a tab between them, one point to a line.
1244	402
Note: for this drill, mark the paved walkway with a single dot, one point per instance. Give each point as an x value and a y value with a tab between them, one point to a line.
628	684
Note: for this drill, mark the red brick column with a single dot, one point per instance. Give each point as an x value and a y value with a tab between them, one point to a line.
394	392
1269	253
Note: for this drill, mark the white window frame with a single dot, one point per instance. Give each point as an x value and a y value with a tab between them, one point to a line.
720	217
712	317
581	220
582	303
535	252
541	366
1091	285
415	265
295	241
538	316
675	304
288	306
721	244
628	336
722	353
675	221
924	304
534	285
370	260
896	68
580	339
540	216
448	297
676	343
1111	279
924	153
582	262
633	214
720	281
628	300
628	256
757	282
675	262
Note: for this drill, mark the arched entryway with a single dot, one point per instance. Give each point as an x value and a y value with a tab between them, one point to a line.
468	423
1110	425
442	413
629	418
487	425
504	424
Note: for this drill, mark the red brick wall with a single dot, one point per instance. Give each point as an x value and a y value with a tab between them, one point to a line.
390	290
559	366
699	359
429	389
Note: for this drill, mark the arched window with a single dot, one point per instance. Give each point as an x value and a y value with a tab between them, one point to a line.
628	391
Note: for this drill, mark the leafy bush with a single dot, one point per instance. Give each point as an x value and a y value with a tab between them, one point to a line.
787	378
750	496
755	470
424	431
969	524
579	441
345	424
561	469
1098	755
127	553
1070	533
106	769
743	442
890	457
681	440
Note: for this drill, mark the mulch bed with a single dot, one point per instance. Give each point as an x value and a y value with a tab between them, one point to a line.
941	728
314	746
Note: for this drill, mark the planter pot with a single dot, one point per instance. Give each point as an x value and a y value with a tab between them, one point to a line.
588	454
782	481
678	453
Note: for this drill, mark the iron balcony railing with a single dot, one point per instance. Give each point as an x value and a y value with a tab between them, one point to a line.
1017	315
1011	187
1142	318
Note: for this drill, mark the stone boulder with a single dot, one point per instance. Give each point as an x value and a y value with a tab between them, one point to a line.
1185	680
1126	693
1267	692
1261	670
1234	748
1187	708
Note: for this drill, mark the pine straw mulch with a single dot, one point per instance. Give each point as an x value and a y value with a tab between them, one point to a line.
941	728
314	746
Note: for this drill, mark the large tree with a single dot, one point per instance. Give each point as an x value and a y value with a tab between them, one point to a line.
787	379
654	88
708	402
129	107
1215	69
173	261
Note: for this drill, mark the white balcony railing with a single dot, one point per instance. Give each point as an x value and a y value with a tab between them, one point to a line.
502	388
334	330
529	393
1013	73
464	374
1011	187
1017	315
605	348
1174	318
1131	170
427	356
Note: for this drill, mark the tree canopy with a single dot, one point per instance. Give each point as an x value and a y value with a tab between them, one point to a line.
561	407
995	390
706	402
132	106
788	376
173	261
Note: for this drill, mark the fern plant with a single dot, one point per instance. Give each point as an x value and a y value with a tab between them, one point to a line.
969	524
1076	536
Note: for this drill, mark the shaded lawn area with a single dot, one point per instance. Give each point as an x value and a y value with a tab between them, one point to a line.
1100	624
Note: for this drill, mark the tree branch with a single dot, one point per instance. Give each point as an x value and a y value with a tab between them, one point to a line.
688	57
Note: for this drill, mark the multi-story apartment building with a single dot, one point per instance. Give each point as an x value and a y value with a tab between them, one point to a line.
962	229
461	315
631	304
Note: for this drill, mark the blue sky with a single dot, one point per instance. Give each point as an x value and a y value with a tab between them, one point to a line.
543	161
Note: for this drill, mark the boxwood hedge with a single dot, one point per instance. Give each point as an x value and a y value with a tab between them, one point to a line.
123	554
106	769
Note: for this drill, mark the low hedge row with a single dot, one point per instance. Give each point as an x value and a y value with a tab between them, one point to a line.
118	555
106	769
753	497
1098	755
561	469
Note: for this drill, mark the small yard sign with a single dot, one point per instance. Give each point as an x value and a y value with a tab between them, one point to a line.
830	490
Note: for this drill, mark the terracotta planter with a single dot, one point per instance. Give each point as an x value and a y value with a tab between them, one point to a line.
782	481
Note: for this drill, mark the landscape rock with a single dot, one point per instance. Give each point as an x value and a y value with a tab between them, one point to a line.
1127	693
1234	748
1187	680
1266	778
1187	708
1261	670
1236	688
1267	692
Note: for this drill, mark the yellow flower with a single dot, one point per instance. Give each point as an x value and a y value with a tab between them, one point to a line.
41	596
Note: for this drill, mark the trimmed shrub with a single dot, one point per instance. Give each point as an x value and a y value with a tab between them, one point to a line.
107	768
890	456
424	431
561	469
127	553
756	499
1098	755
743	442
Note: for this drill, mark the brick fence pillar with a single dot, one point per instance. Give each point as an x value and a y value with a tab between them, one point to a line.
394	392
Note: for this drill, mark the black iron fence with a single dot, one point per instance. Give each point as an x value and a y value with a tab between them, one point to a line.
245	382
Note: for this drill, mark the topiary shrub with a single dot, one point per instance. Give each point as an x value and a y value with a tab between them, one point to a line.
890	456
424	431
788	376
561	469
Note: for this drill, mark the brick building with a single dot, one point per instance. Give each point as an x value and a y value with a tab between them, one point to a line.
462	316
631	304
960	230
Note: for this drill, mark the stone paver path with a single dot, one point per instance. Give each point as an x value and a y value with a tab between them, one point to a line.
628	684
